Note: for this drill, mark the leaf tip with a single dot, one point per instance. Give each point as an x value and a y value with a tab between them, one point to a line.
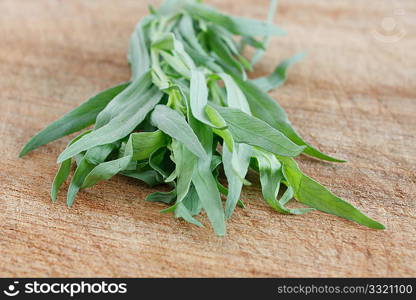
60	158
377	225
53	196
70	200
24	151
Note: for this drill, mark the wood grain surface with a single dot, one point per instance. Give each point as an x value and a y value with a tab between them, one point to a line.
354	96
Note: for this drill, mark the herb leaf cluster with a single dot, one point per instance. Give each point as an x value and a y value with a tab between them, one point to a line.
190	113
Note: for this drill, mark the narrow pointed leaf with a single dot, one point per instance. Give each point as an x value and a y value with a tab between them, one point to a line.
278	76
205	183
235	97
63	171
60	177
96	154
182	212
235	176
138	54
270	16
239	26
267	109
77	119
185	164
270	177
199	97
118	127
311	193
124	99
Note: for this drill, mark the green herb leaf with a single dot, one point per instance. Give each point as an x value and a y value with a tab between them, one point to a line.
267	109
96	154
160	162
270	16
186	28
182	212
189	112
150	177
270	177
60	177
138	54
63	171
235	97
172	123
118	127
204	181
216	118
106	170
239	26
145	143
278	76
235	167
311	193
252	131
76	120
185	164
124	99
164	197
166	42
199	97
224	54
170	7
189	207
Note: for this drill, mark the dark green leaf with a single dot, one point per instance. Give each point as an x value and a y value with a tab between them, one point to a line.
150	177
164	197
119	127
60	177
97	154
77	119
223	53
160	162
145	143
106	170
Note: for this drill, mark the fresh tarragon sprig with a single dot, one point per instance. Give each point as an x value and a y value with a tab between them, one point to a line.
190	113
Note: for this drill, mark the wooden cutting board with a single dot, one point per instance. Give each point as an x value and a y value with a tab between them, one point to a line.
354	96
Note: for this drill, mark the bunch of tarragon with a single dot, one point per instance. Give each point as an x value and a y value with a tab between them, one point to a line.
189	117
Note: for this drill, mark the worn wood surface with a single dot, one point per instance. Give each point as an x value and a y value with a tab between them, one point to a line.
354	97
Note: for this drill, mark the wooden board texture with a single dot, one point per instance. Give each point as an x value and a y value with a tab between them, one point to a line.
354	96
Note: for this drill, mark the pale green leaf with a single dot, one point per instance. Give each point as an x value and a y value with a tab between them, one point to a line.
250	130
311	193
173	124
